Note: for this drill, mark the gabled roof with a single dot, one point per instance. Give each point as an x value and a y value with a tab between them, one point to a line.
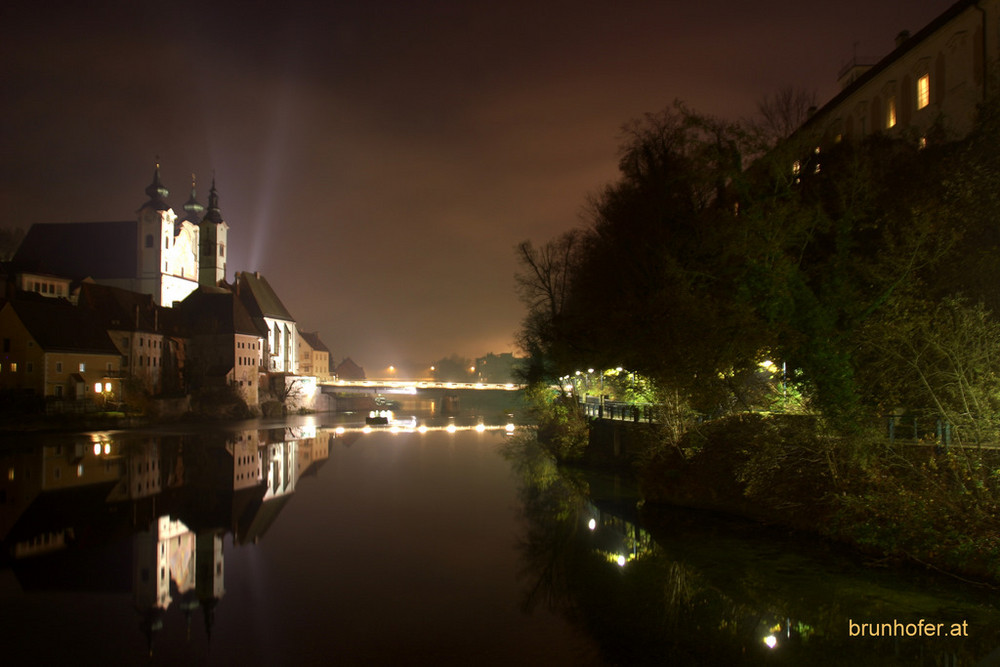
121	309
216	310
56	248
58	326
349	370
314	342
259	298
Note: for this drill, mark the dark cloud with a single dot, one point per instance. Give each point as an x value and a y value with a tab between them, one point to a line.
378	161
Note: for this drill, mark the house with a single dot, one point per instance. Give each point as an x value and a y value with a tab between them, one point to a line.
348	370
159	253
225	346
927	88
263	304
138	328
51	348
314	357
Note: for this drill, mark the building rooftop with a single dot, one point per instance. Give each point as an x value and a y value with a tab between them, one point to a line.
56	248
58	326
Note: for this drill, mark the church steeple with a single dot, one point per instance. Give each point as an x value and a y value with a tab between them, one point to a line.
192	208
214	235
157	192
214	214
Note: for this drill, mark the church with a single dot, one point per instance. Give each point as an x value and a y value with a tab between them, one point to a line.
158	253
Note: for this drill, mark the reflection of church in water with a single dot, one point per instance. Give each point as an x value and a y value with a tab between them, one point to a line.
179	498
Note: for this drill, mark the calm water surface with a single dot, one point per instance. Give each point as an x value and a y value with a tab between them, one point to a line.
304	543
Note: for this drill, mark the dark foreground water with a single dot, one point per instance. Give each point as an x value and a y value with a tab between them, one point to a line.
310	542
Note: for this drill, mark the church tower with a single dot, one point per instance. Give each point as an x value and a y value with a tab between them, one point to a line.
214	237
156	231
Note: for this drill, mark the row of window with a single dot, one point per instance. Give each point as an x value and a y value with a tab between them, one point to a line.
923	99
166	245
158	344
40	287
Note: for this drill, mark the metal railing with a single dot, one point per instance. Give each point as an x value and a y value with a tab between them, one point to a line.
619	411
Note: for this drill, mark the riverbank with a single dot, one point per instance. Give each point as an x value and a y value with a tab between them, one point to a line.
919	504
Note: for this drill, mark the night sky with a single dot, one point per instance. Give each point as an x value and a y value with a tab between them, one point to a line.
378	161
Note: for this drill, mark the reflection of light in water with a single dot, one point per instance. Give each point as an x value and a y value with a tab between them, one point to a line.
451	428
771	641
480	427
509	428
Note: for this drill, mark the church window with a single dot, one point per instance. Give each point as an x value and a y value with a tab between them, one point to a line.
149	240
890	120
166	243
222	250
923	91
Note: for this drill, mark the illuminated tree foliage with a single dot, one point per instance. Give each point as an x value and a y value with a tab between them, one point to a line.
713	252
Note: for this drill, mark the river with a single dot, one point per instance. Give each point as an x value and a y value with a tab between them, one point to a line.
317	540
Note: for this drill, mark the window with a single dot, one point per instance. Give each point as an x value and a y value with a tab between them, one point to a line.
923	91
222	250
13	367
149	240
166	243
890	120
31	367
58	367
59	391
83	367
6	344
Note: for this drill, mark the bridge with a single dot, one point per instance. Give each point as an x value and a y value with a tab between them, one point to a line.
411	386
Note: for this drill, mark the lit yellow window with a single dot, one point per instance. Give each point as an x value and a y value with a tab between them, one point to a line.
923	91
890	120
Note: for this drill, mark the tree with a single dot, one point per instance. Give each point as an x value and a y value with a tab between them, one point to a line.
782	112
10	241
453	368
543	284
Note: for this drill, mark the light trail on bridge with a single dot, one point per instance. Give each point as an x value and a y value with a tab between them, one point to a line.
420	384
408	427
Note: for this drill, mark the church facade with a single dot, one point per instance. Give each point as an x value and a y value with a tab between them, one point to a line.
160	253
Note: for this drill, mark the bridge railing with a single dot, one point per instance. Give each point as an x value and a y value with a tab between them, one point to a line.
420	384
619	410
